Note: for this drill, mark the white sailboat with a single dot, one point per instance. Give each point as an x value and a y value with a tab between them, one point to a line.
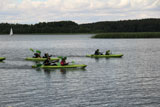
11	32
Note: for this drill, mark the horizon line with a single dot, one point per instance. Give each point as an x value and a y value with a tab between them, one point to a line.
79	23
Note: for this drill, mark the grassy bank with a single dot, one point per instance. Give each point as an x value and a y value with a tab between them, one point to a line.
129	35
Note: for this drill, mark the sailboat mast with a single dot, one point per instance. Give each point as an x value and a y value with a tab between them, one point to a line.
11	32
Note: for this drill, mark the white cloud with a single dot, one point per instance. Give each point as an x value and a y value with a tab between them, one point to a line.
31	11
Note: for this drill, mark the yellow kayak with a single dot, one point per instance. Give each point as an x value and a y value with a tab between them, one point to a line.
2	58
40	59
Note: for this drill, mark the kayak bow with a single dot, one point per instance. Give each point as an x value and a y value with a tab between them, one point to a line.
40	59
2	58
59	66
105	56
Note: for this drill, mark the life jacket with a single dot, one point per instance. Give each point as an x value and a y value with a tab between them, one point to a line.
62	62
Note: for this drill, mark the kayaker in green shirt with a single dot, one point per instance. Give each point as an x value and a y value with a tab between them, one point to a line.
107	52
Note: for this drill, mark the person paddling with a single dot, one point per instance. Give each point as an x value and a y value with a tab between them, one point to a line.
46	55
63	61
49	62
98	53
107	52
37	55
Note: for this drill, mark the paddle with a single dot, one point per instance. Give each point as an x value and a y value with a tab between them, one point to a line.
31	49
61	57
58	64
38	65
72	62
37	51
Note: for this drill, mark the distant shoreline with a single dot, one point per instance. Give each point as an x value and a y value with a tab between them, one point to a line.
128	35
70	27
53	34
109	35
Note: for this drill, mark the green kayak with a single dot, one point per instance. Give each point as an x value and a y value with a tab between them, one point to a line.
39	59
59	66
105	56
2	58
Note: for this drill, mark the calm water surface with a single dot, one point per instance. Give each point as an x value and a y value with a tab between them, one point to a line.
130	81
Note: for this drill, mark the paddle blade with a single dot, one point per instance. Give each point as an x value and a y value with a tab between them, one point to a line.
60	57
37	51
31	49
72	62
58	64
38	65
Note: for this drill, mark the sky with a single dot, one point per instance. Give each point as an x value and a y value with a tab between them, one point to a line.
79	11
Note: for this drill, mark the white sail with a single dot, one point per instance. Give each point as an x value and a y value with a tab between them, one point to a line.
11	32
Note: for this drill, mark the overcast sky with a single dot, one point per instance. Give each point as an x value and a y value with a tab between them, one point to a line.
80	11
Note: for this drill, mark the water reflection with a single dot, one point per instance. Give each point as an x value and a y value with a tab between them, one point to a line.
38	69
97	59
63	70
2	62
47	72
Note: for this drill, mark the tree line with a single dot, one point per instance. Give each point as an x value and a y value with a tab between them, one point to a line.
139	25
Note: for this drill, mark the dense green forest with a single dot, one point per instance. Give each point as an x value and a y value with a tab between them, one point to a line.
141	25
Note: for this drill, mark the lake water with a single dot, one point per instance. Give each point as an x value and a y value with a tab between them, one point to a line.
130	81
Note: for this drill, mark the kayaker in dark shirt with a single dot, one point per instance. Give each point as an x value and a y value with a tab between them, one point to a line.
63	61
37	55
49	62
46	55
98	53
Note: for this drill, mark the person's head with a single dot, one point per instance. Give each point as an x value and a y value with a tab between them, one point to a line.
97	49
65	57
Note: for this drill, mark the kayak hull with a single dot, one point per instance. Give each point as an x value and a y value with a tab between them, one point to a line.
40	59
2	58
59	66
105	56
